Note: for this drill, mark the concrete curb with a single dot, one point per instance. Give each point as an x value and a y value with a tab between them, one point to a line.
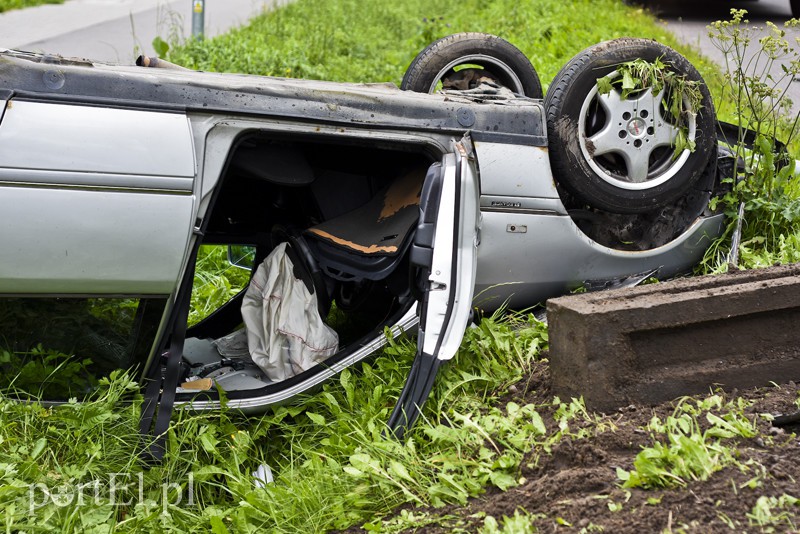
654	343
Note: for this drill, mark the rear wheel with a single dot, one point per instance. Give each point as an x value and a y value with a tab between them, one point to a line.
463	60
616	152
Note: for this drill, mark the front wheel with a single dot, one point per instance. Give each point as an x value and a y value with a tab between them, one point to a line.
620	149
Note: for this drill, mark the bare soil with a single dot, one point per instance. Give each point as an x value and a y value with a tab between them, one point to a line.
571	489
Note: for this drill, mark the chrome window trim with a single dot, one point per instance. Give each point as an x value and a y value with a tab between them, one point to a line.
95	180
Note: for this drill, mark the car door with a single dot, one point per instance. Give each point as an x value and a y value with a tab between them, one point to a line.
97	209
94	200
443	255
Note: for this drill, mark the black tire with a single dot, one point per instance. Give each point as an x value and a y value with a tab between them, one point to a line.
630	175
498	58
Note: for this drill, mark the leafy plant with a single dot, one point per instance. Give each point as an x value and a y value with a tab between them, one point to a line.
409	519
774	514
763	206
41	370
160	46
693	449
49	452
520	523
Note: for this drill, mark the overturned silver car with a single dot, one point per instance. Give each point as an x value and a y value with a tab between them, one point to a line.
383	206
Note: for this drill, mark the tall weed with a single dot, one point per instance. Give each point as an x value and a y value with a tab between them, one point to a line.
766	188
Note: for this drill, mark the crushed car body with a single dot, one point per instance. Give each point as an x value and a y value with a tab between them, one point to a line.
394	207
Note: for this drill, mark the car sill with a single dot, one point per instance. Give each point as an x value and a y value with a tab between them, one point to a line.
258	404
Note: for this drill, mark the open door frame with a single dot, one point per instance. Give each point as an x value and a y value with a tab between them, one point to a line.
443	255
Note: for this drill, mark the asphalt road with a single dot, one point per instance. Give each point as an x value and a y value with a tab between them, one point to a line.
116	31
689	21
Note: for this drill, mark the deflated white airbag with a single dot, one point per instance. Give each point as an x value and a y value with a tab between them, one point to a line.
285	333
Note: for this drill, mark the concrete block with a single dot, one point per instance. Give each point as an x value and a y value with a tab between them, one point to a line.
658	342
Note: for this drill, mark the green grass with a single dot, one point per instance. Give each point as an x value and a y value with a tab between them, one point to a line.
374	41
333	467
216	281
8	5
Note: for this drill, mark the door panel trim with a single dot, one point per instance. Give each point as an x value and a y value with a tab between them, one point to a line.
94	180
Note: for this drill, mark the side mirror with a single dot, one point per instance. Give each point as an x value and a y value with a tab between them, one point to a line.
242	256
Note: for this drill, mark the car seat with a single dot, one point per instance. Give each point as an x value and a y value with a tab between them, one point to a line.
369	242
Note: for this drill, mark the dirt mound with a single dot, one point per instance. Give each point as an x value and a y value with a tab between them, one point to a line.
576	485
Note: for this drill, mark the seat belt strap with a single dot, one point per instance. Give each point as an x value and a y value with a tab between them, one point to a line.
155	443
